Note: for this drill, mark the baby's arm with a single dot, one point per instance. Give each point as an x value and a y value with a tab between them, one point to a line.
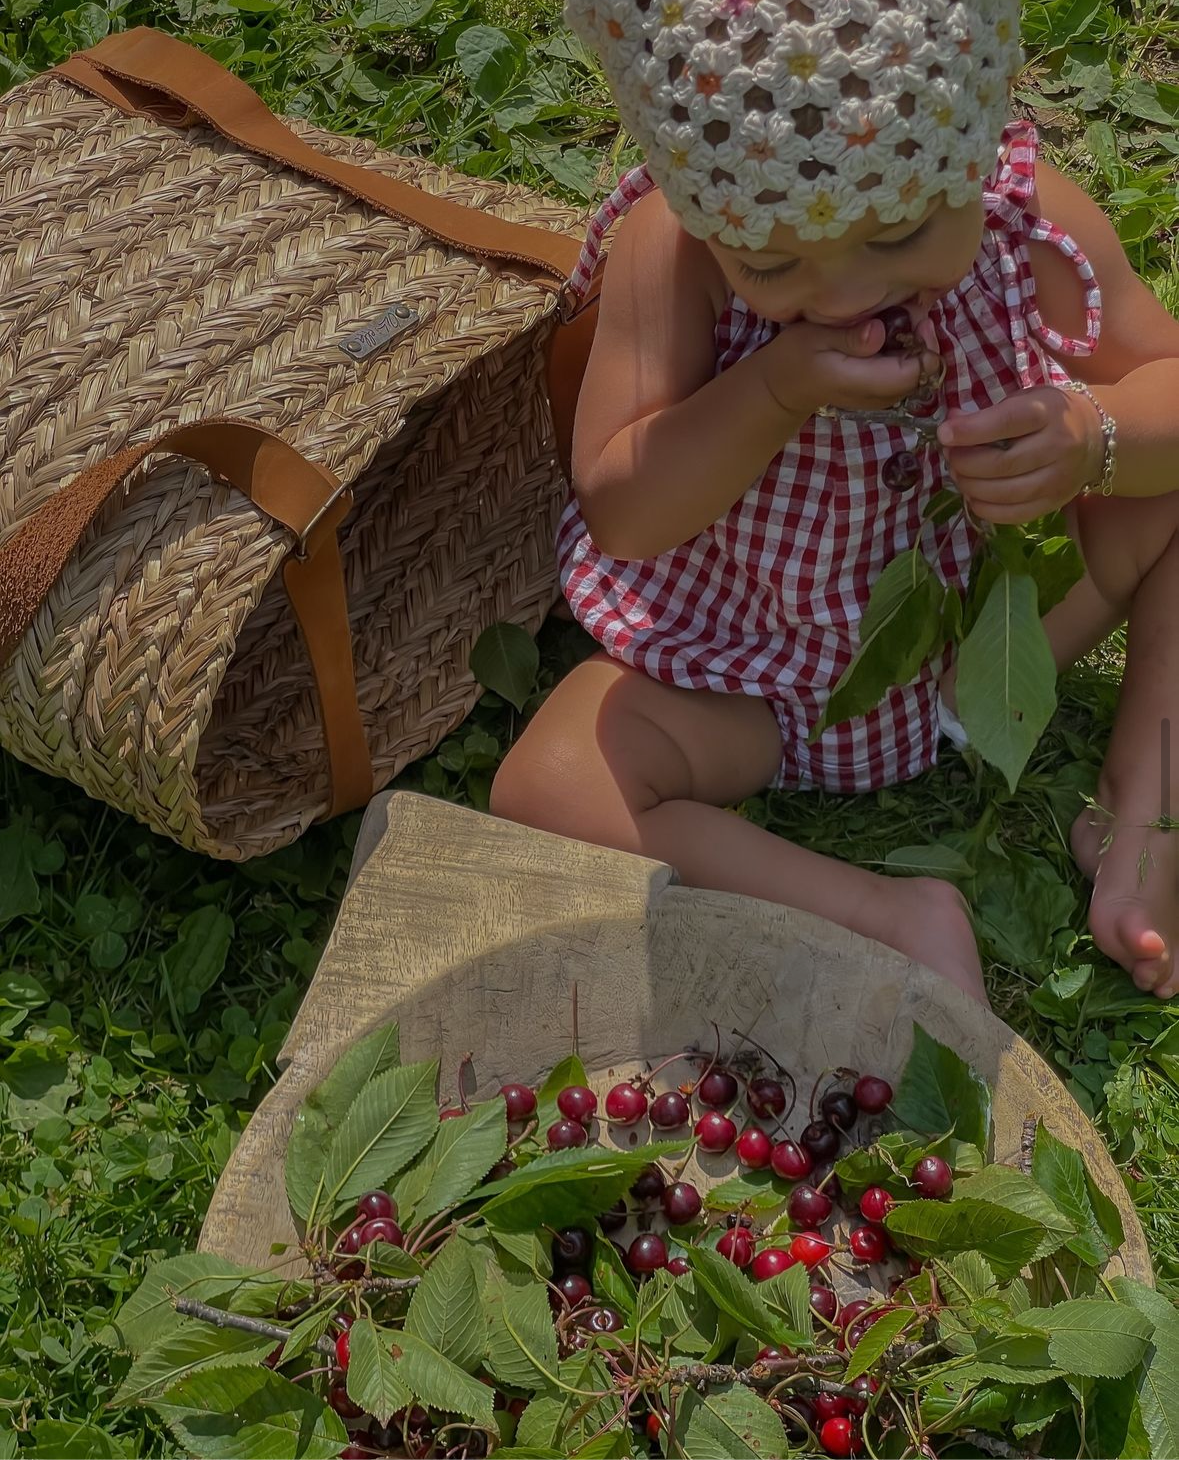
662	446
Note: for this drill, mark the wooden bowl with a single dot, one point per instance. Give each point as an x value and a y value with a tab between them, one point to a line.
472	933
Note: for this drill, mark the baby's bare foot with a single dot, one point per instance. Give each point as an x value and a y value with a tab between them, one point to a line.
1134	910
927	919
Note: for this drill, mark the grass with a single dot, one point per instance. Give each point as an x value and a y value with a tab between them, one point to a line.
144	993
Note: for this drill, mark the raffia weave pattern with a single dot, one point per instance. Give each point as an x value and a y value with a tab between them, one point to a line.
150	277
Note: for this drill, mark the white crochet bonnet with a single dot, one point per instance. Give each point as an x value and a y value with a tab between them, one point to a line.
807	112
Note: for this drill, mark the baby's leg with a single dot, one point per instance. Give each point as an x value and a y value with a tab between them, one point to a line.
619	759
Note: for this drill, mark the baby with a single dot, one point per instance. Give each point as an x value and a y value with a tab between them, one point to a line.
812	164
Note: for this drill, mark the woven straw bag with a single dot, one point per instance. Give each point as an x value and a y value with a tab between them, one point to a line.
249	367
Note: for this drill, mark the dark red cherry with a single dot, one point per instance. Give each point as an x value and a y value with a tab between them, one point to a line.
381	1229
867	1386
718	1088
867	1244
875	1204
625	1105
564	1135
872	1094
670	1110
648	1184
678	1266
520	1100
615	1219
715	1132
681	1202
576	1102
339	1401
839	1109
573	1288
647	1253
791	1161
898	329
808	1207
932	1178
754	1148
821	1140
376	1204
766	1098
737	1246
797	1417
824	1303
573	1249
830	1406
350	1239
901	472
602	1320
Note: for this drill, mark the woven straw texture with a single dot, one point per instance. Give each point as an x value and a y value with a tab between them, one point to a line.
150	277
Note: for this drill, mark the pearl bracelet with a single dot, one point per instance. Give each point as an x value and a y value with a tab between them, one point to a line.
1109	438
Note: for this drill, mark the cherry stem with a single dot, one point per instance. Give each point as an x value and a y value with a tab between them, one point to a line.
714	1061
683	1054
778	1068
528	1131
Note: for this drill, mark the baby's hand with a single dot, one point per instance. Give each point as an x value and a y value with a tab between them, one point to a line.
807	366
1026	456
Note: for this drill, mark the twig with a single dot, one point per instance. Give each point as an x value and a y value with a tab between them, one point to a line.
222	1318
1027	1143
324	1274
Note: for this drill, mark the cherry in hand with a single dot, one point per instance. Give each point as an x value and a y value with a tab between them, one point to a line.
901	472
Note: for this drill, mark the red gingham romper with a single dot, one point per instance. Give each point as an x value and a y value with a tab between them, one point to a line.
767	601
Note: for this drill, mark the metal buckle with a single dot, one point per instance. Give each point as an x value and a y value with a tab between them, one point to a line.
300	549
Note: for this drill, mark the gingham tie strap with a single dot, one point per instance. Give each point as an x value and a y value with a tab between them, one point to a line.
631	187
1007	214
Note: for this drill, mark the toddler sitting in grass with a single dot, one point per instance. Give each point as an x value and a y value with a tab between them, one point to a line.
812	166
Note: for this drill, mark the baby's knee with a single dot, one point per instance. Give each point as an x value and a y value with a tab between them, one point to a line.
533	788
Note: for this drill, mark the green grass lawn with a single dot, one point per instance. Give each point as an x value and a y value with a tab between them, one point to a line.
144	992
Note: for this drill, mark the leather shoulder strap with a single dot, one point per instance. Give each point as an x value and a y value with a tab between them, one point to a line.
144	68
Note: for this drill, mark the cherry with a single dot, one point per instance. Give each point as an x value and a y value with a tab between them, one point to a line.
350	1239
838	1436
876	1203
798	1416
654	1425
852	1311
867	1244
274	1357
754	1148
808	1207
356	1452
681	1202
867	1386
376	1204
810	1248
520	1100
898	328
932	1178
625	1105
872	1094
573	1287
825	1180
718	1088
647	1253
772	1353
733	1219
678	1266
821	1140
824	1303
563	1135
343	1349
737	1246
648	1184
573	1248
345	1320
791	1161
615	1219
577	1103
348	1272
339	1401
450	1114
839	1109
830	1406
500	1170
855	1331
901	472
769	1262
381	1229
602	1320
670	1110
715	1132
766	1097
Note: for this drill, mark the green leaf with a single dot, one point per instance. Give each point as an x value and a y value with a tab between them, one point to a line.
949	1404
563	1188
372	1377
250	1414
898	631
196	1346
939	1092
445	1311
1010	1358
936	1229
611	1281
754	1191
1158	1393
1114	1422
1033	1408
1006	685
505	658
1092	1336
966	1278
461	1154
307	1332
689	1320
570	1071
439	1384
148	1316
393	14
19	894
559	1422
930	860
735	1295
789	1294
197	959
1062	1173
885	1331
1020	906
521	1340
728	1422
326	1106
1056	566
386	1126
56	1439
1005	1187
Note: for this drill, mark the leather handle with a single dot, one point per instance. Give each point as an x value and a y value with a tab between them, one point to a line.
304	497
148	62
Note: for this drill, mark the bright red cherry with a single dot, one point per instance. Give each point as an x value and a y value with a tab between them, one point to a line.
872	1094
718	1088
563	1135
867	1244
625	1105
575	1102
681	1202
791	1161
766	1098
647	1253
810	1248
670	1110
875	1204
451	1114
932	1178
769	1262
520	1100
838	1437
737	1246
754	1148
376	1204
715	1132
343	1349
